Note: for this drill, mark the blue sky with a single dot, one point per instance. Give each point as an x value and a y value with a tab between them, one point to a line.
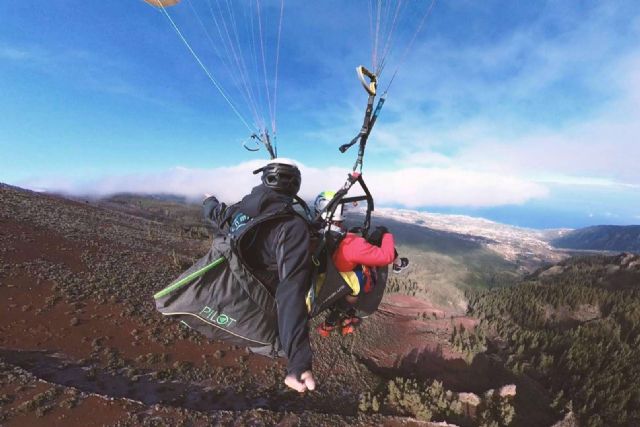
523	112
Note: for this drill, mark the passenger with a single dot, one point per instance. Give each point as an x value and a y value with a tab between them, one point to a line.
356	259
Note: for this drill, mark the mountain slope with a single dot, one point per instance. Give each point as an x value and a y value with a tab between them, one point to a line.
601	238
79	335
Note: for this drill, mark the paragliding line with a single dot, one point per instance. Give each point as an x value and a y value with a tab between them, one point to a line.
222	58
232	54
375	45
387	46
275	86
240	56
204	68
264	63
410	45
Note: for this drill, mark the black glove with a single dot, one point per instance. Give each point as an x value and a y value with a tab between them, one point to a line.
375	237
210	198
382	229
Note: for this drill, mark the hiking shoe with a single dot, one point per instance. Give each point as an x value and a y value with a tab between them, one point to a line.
349	324
404	263
351	320
325	330
348	329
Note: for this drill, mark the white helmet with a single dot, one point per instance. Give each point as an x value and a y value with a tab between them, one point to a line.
321	203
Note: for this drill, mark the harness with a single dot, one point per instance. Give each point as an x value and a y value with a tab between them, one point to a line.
221	296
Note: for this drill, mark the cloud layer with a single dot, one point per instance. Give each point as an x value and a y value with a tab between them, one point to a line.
410	187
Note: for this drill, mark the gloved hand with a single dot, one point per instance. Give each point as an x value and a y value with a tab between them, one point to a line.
400	264
375	237
382	229
209	196
213	211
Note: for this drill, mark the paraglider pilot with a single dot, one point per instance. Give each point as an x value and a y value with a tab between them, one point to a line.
278	255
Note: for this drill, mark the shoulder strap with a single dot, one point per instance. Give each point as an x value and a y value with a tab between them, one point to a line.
247	224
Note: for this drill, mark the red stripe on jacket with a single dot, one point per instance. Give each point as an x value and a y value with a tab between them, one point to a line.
354	250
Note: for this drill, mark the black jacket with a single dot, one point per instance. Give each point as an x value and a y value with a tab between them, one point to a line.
278	254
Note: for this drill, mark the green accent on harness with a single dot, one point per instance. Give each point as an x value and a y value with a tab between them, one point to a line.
188	279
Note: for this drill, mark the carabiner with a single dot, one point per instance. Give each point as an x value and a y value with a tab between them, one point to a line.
253	138
370	87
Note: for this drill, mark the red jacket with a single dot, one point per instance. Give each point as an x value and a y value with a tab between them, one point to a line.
354	250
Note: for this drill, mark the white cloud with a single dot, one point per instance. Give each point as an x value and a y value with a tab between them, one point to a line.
228	183
410	187
605	148
584	181
415	187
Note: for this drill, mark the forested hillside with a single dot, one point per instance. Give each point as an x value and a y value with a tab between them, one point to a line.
574	327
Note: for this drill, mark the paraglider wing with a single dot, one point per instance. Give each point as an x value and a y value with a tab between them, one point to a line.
163	3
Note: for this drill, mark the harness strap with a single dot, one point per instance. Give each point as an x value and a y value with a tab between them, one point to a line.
315	271
339	198
370	118
304	206
326	247
237	236
264	139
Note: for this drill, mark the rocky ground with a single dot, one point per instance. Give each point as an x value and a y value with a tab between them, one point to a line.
81	342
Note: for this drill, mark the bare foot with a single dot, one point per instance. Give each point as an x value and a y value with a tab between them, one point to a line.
307	382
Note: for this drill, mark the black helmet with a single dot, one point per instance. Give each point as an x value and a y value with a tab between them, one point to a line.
281	175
